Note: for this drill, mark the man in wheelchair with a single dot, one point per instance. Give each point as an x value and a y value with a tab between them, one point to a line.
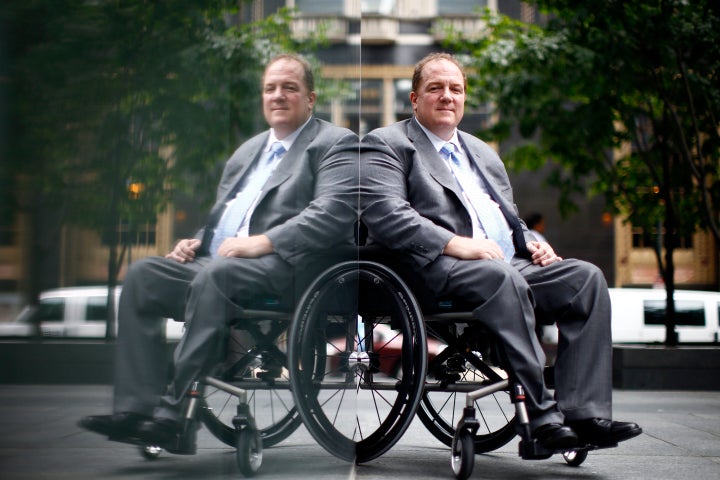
442	199
286	196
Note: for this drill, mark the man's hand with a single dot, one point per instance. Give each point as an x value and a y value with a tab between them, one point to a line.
246	247
466	248
185	250
542	253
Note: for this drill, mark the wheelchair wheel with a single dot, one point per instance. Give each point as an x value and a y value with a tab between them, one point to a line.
451	375
261	370
249	451
462	460
357	359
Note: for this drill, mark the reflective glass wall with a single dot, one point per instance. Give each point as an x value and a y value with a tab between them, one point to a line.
113	89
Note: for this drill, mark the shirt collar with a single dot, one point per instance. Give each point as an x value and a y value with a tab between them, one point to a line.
287	141
438	142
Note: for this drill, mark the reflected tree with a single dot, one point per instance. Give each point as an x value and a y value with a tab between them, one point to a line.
118	105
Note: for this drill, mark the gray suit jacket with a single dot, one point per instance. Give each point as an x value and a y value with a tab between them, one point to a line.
410	200
309	203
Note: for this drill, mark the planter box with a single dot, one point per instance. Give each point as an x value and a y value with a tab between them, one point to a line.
657	367
59	361
635	367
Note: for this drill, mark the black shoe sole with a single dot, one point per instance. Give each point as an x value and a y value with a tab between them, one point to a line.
610	443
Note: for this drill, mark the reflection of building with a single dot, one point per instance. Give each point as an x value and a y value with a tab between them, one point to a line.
695	258
373	45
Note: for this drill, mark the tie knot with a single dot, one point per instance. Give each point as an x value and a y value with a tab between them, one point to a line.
277	148
447	149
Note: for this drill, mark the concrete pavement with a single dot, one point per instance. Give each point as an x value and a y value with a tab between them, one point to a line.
40	440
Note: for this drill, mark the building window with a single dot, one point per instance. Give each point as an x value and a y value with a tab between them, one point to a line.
143	234
321	7
403	107
7	235
642	238
8	217
380	7
460	7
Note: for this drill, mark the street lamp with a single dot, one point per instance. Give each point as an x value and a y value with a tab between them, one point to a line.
134	191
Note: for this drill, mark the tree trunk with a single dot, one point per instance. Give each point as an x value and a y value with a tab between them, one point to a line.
671	337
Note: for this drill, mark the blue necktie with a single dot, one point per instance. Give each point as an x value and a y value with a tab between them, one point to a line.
488	213
235	213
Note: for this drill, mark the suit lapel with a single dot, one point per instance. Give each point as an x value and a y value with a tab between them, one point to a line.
286	167
481	166
432	160
233	183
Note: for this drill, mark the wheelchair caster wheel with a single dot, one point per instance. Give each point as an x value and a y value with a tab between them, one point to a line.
150	452
575	458
249	451
463	454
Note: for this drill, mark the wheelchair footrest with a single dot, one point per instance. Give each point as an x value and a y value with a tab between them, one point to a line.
532	450
184	444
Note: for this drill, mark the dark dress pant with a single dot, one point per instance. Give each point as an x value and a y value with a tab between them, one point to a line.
207	294
509	299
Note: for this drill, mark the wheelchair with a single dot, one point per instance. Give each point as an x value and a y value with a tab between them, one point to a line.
358	342
360	369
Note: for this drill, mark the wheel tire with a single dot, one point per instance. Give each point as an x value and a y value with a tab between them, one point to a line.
217	413
331	336
462	458
575	458
249	451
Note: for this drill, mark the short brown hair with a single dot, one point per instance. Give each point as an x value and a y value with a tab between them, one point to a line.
417	74
308	76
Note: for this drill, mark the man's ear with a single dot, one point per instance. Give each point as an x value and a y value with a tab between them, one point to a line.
312	98
413	100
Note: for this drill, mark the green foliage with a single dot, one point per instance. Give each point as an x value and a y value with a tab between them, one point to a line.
603	75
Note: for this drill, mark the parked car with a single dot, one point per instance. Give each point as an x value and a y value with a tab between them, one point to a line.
638	316
72	312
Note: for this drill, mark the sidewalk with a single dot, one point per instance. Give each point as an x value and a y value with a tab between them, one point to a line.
40	440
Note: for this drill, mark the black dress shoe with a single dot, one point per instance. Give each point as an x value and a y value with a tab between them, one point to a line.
157	431
554	436
601	432
169	435
119	426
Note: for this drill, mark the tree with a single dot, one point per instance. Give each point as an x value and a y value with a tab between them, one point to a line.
598	78
118	105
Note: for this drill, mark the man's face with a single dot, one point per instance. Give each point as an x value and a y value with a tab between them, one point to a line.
439	101
287	103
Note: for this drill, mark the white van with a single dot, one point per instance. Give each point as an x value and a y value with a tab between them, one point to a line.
72	312
638	315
